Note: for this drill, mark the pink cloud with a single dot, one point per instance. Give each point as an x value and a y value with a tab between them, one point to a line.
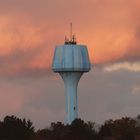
28	35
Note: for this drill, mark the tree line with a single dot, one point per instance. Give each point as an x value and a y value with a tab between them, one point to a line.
14	128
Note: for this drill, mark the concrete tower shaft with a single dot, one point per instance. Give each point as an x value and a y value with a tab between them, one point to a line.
71	80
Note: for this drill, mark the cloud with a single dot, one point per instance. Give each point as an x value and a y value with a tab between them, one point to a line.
113	95
34	99
136	90
110	29
24	49
24	62
134	67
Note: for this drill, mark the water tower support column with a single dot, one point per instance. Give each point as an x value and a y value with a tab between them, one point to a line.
71	80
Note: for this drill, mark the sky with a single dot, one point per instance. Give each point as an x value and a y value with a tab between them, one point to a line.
29	32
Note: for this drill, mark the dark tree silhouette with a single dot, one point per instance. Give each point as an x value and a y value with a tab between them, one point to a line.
81	130
78	130
122	129
13	128
106	129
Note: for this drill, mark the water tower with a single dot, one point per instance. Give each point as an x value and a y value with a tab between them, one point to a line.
71	61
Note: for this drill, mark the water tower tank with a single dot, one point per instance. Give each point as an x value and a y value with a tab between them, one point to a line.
71	58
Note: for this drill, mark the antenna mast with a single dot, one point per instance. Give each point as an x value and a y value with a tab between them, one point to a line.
72	39
71	31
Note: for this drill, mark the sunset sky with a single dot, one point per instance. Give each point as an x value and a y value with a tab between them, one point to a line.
29	32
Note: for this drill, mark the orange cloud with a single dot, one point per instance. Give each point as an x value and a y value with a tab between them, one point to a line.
23	46
28	35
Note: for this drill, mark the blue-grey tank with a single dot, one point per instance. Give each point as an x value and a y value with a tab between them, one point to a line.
71	58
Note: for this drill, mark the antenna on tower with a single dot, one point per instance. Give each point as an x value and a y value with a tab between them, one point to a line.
72	40
71	35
